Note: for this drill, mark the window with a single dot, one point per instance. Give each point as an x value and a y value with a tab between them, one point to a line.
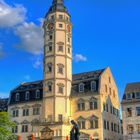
106	89
50	37
112	127
24	128
37	94
49	48
49	67
15	113
129	112
115	127
81	106
111	108
60	16
138	95
130	129
68	39
114	93
94	124
61	88
15	129
93	86
60	68
60	48
69	50
49	87
25	112
93	104
138	111
129	96
106	107
81	124
27	95
60	118
50	118
110	91
36	111
81	87
17	97
105	126
138	128
109	79
52	17
60	25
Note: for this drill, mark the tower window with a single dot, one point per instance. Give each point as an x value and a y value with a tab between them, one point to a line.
50	37
49	48
60	118
69	50
52	17
60	48
60	68
60	25
60	16
49	87
49	67
60	88
106	88
68	39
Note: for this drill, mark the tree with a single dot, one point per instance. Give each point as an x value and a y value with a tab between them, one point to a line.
5	127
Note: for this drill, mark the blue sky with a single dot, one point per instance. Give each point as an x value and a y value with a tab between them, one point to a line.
105	33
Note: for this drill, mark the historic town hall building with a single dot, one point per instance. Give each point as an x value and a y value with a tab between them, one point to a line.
45	108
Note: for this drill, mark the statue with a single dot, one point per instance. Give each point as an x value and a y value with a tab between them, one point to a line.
74	133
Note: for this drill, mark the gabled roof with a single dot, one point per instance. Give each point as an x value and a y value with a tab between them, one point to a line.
92	74
132	87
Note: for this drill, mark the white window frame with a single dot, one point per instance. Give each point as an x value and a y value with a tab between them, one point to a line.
93	84
81	89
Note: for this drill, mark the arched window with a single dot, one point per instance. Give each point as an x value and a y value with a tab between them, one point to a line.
27	95
81	87
17	96
60	68
93	86
37	94
49	68
60	88
81	105
81	122
49	84
93	122
93	103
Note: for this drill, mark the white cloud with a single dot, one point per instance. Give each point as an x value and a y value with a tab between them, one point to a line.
38	63
79	57
11	15
31	38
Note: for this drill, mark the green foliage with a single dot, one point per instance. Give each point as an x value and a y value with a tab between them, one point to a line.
6	127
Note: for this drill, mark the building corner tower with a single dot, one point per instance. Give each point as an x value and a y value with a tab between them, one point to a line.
57	68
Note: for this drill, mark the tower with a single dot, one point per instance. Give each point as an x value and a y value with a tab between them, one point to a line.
57	67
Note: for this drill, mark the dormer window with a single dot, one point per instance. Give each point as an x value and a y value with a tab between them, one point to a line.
93	86
129	96
27	95
138	95
17	96
81	87
37	94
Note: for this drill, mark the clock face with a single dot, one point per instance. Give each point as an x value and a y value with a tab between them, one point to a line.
69	28
50	26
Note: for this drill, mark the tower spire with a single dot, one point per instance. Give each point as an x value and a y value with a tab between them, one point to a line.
57	6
